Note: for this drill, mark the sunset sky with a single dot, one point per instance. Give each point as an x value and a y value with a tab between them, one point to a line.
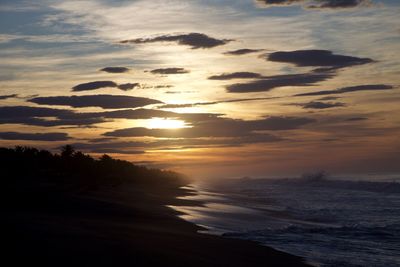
209	88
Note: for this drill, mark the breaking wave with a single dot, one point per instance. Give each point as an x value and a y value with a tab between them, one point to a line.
329	222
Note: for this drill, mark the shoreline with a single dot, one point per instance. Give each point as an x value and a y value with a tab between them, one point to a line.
208	202
126	225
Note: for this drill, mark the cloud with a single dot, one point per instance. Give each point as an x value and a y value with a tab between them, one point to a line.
188	105
267	3
271	82
160	86
369	87
102	139
115	150
180	92
335	4
169	71
115	69
216	126
357	119
202	125
316	4
163	86
2	97
243	51
133	114
37	116
9	112
102	101
328	98
107	145
93	86
276	123
126	146
235	75
320	105
128	86
316	58
51	123
194	40
34	136
40	116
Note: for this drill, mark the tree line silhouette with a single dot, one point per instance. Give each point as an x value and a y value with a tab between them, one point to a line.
28	169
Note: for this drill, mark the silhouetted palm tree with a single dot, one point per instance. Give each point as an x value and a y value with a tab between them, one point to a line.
67	151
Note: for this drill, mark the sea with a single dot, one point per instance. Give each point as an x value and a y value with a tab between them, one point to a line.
329	222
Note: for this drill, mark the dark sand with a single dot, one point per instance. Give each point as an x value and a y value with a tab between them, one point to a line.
119	226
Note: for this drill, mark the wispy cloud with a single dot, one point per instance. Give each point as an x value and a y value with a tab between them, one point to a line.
187	105
242	51
369	87
125	147
320	105
271	82
170	71
2	97
235	75
129	86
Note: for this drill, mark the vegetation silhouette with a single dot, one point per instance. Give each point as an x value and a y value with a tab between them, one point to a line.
30	170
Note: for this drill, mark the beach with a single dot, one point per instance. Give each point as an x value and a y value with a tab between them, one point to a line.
126	225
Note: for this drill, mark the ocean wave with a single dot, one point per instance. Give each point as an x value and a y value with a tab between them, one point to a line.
352	245
356	230
371	186
330	222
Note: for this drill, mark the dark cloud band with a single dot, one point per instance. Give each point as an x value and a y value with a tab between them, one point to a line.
271	82
320	105
316	58
37	116
115	69
93	86
194	40
339	4
102	101
34	136
316	4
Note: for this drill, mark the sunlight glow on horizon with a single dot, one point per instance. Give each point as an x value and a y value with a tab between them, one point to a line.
158	123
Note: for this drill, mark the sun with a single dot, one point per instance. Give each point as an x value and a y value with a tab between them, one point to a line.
158	123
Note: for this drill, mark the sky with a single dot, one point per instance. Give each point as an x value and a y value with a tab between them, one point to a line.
210	88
